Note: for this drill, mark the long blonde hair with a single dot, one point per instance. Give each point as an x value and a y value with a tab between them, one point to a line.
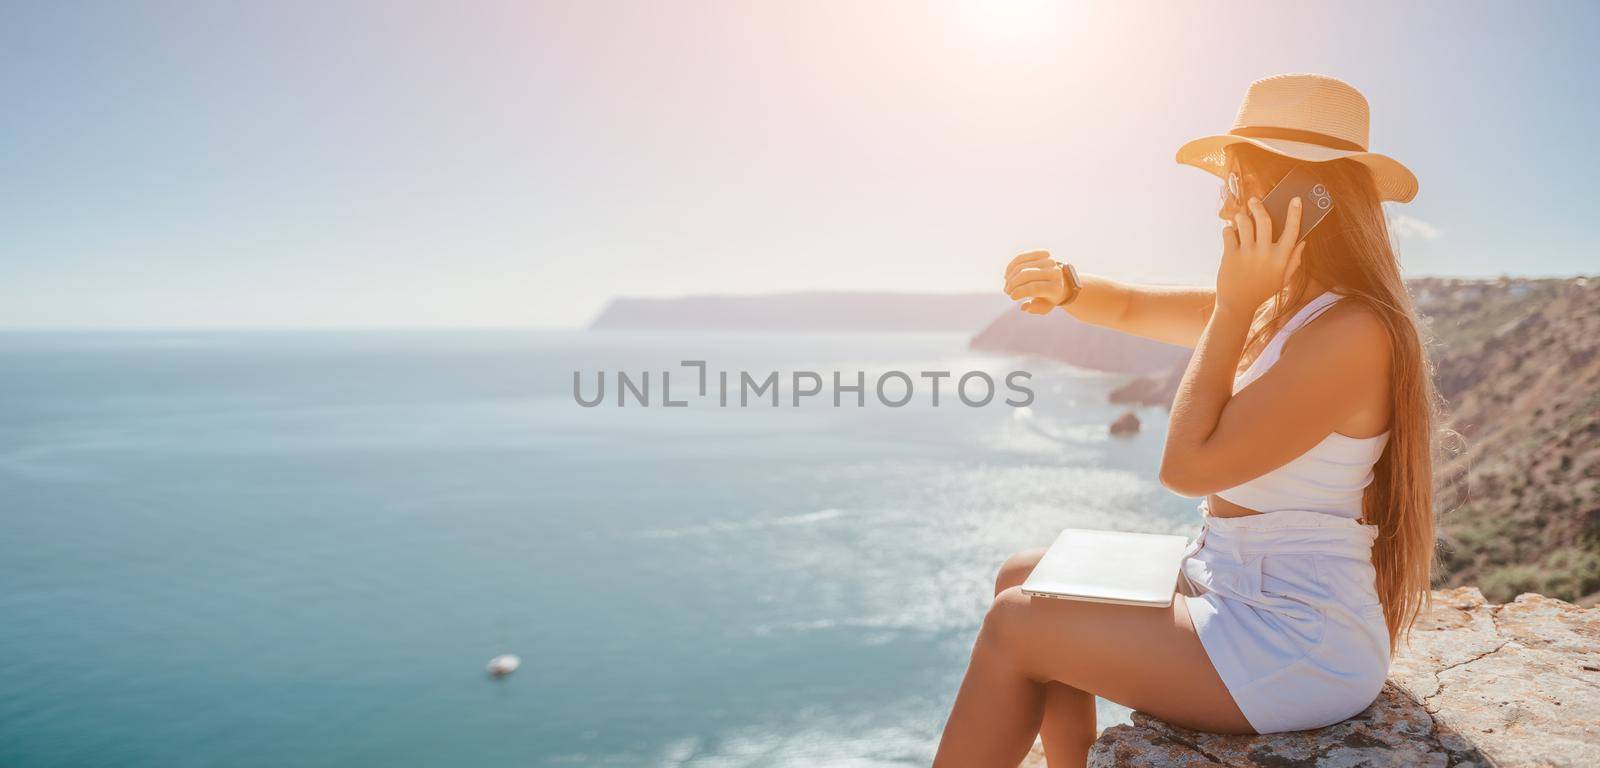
1350	252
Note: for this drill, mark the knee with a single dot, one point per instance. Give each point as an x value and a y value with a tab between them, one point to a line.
1015	570
1007	619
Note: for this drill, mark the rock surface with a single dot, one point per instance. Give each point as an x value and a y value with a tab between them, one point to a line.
1480	685
1126	424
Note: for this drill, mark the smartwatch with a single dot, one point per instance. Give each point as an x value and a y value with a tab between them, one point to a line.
1074	285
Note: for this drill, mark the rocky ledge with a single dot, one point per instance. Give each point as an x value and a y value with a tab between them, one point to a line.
1479	685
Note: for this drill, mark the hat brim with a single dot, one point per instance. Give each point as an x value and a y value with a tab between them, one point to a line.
1395	181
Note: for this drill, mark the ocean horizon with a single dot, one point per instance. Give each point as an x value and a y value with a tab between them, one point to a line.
302	547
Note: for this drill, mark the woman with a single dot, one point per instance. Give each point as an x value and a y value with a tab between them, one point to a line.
1304	420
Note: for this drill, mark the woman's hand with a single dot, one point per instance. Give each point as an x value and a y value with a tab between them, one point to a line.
1034	279
1253	267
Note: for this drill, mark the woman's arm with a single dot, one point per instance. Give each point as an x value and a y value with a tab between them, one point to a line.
1173	314
1336	368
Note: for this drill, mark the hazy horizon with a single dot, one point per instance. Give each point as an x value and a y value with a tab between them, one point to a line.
365	165
586	322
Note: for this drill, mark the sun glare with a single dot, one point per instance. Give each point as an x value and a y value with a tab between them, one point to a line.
1007	18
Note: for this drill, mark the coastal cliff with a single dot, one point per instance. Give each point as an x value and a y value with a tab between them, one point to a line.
1518	365
1060	337
1479	685
818	311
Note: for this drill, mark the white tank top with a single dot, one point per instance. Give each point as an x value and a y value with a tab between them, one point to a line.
1329	478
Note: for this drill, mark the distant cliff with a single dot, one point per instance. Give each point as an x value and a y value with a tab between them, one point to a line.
1063	338
821	311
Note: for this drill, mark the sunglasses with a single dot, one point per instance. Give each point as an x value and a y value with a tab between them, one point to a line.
1232	188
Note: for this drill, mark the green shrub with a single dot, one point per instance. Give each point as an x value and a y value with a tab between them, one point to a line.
1571	573
1506	582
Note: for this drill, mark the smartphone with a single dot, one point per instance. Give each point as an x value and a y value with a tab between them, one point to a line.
1315	201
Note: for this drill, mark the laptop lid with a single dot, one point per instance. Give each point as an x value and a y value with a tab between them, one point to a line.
1109	567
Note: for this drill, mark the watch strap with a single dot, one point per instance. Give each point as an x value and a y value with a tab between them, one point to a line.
1073	284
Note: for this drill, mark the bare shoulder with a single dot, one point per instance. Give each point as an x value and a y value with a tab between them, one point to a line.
1349	333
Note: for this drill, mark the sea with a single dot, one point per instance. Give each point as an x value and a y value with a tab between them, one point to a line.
301	548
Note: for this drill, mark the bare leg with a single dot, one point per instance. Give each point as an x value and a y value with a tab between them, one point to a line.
1145	658
1068	727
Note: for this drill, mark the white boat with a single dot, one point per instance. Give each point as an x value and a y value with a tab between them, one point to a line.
500	666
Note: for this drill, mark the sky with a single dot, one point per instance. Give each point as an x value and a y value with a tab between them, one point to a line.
394	164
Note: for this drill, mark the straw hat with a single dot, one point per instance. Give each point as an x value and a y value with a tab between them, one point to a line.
1307	117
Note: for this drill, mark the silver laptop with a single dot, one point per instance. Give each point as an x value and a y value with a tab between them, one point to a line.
1109	567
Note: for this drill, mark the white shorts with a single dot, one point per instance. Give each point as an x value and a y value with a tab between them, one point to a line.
1286	605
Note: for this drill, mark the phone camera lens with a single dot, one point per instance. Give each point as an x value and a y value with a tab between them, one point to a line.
1319	190
1324	203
